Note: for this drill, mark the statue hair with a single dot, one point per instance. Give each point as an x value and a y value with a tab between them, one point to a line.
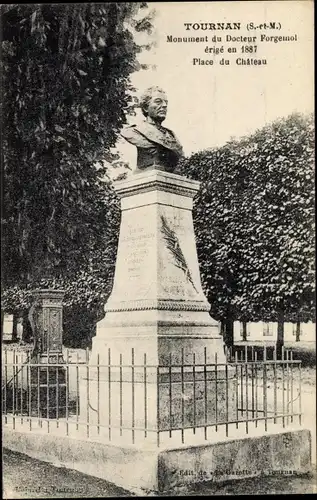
146	96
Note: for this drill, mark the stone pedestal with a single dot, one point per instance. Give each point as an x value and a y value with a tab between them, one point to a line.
157	305
157	314
48	375
48	322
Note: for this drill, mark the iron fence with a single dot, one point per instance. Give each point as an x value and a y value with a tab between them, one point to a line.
128	400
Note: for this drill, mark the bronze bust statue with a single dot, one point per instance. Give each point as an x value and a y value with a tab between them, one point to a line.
157	146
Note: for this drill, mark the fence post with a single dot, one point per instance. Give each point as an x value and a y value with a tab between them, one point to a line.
216	391
120	393
5	384
265	388
205	393
170	392
283	384
183	394
300	394
275	381
145	395
109	393
280	332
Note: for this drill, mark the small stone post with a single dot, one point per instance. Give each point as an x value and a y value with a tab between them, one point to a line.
48	383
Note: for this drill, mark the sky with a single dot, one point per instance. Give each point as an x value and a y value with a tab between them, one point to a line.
209	104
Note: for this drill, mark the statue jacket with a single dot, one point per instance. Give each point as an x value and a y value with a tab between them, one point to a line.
156	146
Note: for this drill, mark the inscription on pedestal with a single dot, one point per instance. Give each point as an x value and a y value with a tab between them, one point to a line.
135	258
135	247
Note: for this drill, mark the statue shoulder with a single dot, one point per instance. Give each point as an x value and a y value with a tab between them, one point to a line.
171	133
176	146
128	131
132	135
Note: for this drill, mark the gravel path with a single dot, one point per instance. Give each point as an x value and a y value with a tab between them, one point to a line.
25	477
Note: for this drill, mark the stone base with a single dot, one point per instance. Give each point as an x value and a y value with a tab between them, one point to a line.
159	349
154	470
48	391
164	399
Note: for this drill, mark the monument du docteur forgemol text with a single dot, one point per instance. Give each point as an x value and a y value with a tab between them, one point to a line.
157	305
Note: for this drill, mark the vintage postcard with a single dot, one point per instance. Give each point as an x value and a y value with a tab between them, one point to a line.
158	264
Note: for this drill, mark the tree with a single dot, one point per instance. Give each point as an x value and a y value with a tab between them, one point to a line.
217	223
254	221
66	93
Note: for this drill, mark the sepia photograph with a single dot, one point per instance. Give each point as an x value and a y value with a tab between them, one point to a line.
158	298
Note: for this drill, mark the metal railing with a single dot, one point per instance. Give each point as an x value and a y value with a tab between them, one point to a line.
129	400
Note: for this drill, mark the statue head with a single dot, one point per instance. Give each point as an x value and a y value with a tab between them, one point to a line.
153	104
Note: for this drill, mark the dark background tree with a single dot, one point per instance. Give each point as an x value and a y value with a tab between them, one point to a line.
254	222
66	93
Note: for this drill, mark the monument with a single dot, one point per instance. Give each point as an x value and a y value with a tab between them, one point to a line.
152	376
157	309
157	305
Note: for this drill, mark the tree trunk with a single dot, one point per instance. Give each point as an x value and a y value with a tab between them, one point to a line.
27	331
228	333
15	328
280	334
297	331
2	321
244	331
222	328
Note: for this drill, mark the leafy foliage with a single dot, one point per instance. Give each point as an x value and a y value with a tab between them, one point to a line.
254	219
66	94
